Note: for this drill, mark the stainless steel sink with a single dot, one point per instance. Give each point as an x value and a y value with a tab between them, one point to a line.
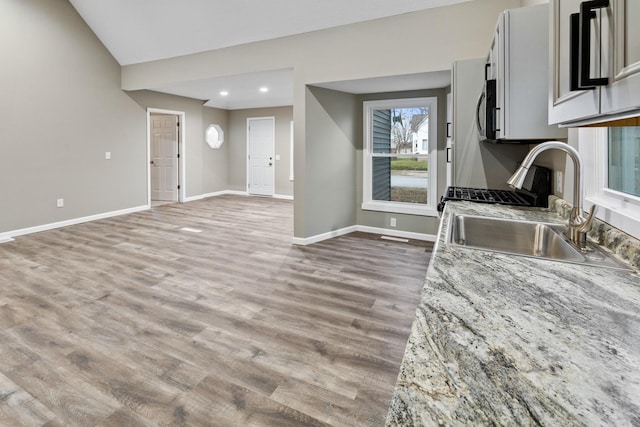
533	239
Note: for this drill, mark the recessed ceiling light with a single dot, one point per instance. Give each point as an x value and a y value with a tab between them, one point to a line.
264	89
224	93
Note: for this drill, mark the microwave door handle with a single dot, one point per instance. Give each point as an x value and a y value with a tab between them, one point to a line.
494	120
478	124
587	13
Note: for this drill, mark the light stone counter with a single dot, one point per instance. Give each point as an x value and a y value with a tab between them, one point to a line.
510	340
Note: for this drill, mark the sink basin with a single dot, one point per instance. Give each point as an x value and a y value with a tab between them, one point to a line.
525	238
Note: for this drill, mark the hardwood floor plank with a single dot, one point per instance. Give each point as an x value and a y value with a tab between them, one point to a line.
133	321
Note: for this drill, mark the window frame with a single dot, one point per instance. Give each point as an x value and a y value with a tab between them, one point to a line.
428	209
621	210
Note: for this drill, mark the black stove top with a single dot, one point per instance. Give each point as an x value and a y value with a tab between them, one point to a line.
482	195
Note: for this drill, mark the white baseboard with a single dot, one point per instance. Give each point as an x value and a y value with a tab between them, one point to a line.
397	233
8	236
239	193
303	241
225	193
193	198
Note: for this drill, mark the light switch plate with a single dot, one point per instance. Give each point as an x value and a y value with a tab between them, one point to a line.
107	155
60	203
277	156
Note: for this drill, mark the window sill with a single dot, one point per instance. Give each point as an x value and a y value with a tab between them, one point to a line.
616	212
401	208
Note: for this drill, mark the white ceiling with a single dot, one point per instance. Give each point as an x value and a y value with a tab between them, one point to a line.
137	31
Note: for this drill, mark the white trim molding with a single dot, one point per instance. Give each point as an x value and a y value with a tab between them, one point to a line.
615	208
8	236
238	193
304	241
368	203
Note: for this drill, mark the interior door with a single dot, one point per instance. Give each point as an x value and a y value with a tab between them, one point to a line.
164	157
260	137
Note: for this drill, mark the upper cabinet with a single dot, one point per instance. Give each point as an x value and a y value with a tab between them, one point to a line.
595	61
514	107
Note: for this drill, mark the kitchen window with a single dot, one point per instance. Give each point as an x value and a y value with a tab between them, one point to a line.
400	156
612	178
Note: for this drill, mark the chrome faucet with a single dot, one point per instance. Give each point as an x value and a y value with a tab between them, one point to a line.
579	226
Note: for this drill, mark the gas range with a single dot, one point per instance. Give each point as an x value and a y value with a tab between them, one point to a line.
483	195
486	196
534	192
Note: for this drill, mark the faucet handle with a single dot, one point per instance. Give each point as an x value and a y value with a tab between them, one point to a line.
586	225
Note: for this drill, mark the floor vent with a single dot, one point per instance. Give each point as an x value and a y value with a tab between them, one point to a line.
395	239
191	230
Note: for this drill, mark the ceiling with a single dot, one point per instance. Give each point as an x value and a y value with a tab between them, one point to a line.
136	31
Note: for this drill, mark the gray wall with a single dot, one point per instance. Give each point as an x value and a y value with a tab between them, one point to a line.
238	147
433	39
61	109
331	134
215	163
194	133
59	81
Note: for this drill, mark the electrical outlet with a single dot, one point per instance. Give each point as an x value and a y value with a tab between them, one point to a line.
559	182
60	203
393	222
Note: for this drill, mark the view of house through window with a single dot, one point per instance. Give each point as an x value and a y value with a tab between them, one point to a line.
400	158
624	160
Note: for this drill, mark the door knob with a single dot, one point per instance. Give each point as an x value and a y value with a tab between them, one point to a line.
270	163
151	162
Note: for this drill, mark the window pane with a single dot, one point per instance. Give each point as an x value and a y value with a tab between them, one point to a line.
401	130
624	159
400	179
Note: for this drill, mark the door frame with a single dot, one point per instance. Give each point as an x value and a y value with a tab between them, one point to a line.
273	150
182	165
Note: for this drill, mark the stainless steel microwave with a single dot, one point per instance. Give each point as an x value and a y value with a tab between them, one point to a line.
513	105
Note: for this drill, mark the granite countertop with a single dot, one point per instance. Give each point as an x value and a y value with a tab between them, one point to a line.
510	340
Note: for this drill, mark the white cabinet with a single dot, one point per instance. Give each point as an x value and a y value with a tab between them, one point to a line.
595	61
623	91
517	63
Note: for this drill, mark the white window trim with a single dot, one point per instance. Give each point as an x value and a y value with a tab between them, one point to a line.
429	209
618	209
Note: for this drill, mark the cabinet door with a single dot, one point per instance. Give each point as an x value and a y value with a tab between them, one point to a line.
566	105
623	91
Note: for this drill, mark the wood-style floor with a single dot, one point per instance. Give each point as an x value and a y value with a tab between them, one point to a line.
135	321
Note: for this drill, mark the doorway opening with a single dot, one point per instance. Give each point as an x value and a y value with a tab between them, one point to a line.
260	159
165	156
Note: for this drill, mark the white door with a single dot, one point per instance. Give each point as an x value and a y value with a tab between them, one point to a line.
164	157
260	141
